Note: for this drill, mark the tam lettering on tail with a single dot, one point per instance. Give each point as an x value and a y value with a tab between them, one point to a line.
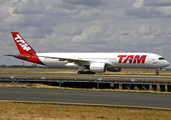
23	47
26	51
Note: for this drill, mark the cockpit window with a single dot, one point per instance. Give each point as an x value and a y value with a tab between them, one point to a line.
161	58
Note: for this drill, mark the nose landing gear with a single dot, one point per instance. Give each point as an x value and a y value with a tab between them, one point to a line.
157	72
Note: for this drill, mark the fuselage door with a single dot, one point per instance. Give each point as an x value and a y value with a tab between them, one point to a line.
150	58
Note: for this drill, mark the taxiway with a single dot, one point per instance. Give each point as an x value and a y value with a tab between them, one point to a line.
134	100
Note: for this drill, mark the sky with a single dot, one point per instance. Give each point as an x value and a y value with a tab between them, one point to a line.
86	26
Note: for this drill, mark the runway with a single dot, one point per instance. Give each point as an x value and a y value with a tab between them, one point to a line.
133	100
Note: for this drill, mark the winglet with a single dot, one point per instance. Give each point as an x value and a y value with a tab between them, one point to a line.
23	47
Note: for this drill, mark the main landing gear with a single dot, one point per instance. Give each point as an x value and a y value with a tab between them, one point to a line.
85	72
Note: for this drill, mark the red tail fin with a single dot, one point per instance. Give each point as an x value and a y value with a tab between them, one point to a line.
26	52
23	47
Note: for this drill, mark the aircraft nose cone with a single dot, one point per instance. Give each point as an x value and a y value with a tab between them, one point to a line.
167	63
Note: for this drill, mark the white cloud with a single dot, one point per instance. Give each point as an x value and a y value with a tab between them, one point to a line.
77	38
168	31
157	2
167	35
29	7
139	3
91	34
150	9
147	29
93	3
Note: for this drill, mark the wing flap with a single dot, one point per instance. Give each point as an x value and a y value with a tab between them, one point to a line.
65	59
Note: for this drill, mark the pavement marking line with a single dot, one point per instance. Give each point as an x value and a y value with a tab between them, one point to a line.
85	104
128	96
133	76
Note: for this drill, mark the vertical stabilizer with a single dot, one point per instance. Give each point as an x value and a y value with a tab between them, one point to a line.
23	47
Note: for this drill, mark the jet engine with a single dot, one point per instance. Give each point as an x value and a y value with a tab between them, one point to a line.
97	67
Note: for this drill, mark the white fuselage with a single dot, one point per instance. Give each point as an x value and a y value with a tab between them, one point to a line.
116	60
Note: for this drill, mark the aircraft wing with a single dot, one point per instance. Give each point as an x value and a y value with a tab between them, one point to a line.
76	61
71	60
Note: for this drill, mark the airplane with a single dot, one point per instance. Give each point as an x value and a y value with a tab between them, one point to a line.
89	63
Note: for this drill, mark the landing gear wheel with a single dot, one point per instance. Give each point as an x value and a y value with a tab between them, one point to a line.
85	72
79	72
157	73
93	73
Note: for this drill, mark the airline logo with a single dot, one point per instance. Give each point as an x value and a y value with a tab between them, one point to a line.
22	43
132	58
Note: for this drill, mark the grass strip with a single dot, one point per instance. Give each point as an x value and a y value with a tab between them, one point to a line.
85	104
20	111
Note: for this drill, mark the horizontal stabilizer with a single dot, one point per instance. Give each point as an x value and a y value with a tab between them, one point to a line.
17	56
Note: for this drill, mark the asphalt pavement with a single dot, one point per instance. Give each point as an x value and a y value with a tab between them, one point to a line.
140	100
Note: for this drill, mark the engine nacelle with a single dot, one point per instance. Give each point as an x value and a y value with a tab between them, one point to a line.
97	67
114	69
